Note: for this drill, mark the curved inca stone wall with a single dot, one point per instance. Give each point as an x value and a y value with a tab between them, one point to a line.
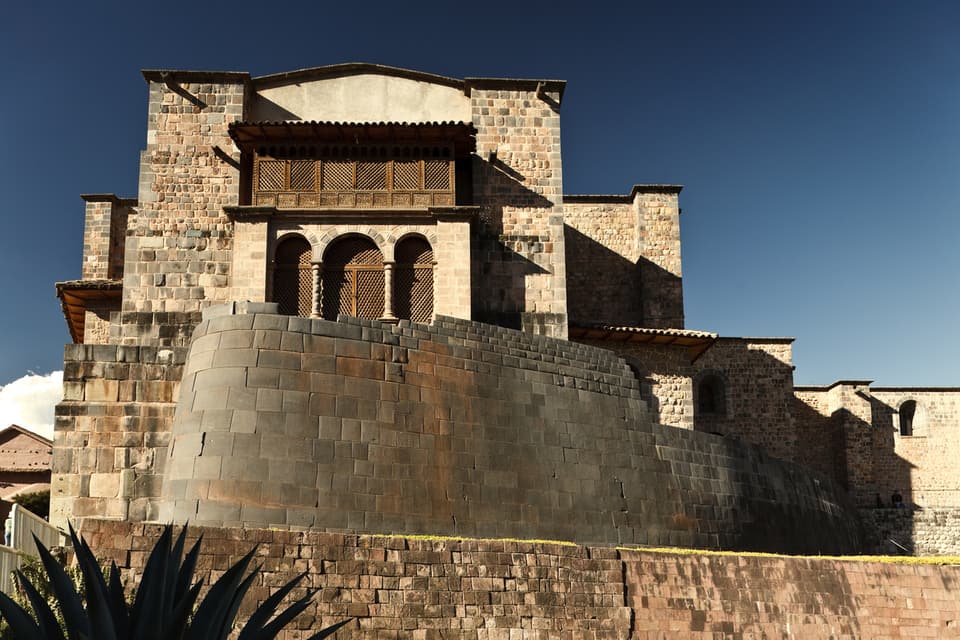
464	429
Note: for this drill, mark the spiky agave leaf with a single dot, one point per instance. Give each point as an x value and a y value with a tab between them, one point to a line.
71	606
215	615
147	613
102	618
118	602
162	605
49	626
185	594
259	627
21	623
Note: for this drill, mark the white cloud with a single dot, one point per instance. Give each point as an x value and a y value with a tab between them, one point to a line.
29	402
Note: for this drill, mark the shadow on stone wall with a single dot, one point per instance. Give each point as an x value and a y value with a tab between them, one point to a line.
820	442
505	254
893	529
604	287
751	396
860	456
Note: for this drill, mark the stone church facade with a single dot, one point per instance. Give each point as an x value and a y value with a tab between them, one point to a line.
396	196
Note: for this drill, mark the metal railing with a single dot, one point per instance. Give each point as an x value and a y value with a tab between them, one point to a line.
26	525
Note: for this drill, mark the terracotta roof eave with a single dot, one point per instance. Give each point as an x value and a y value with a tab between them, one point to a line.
74	295
695	343
103	284
462	134
651	331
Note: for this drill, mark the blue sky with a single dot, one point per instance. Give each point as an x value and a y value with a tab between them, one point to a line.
818	142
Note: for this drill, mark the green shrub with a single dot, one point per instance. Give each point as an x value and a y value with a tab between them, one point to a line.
164	606
36	503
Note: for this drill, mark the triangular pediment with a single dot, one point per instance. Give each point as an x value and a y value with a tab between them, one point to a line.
359	92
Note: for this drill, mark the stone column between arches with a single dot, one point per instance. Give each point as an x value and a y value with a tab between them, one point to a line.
447	230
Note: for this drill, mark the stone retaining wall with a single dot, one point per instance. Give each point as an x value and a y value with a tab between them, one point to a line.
920	532
461	428
425	589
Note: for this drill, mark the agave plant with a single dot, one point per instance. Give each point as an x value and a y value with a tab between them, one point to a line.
163	608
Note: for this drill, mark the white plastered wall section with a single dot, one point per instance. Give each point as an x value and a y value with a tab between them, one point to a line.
363	97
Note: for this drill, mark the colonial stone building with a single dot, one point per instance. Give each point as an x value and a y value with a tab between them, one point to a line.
415	203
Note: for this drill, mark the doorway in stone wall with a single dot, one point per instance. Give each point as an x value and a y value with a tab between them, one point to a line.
353	279
293	277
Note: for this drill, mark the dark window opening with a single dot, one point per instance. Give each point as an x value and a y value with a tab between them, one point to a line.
907	412
711	396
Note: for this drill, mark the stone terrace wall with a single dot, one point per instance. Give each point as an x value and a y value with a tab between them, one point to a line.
112	429
408	588
461	428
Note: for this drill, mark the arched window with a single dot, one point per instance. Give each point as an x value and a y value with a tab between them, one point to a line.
353	279
711	395
908	411
293	277
413	280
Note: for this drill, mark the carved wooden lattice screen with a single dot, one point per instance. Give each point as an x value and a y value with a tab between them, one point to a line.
353	281
413	280
372	176
293	277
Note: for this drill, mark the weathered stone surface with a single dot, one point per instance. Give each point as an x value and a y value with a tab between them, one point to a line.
497	450
467	589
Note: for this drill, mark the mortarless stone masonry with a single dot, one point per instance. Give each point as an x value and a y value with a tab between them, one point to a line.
458	428
237	170
414	588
